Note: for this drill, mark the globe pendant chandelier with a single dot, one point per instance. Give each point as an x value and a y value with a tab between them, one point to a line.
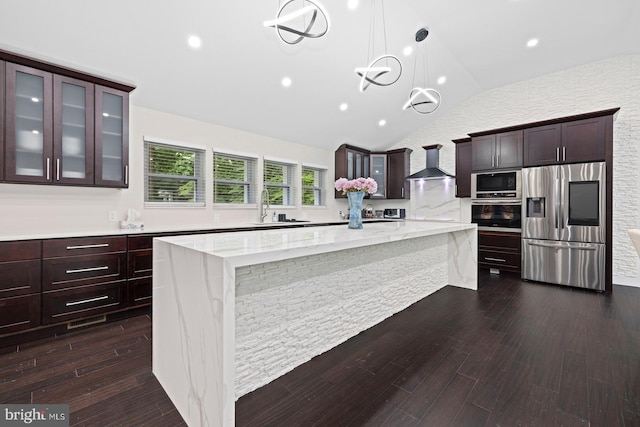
383	70
422	100
299	19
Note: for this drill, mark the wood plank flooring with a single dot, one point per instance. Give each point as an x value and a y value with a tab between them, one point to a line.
513	353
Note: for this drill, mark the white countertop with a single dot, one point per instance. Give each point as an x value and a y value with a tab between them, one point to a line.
249	247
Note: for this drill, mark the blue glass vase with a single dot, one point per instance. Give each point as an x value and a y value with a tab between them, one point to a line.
355	208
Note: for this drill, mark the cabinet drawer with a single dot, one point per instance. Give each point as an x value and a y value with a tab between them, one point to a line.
72	304
140	263
139	292
140	242
19	251
504	241
83	246
499	259
19	313
60	273
19	278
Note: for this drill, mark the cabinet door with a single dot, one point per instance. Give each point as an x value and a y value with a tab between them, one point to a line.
584	140
72	131
2	96
463	169
483	152
542	145
28	137
111	137
397	171
379	173
509	150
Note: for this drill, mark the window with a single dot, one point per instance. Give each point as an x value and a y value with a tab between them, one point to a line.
174	174
312	186
278	180
234	179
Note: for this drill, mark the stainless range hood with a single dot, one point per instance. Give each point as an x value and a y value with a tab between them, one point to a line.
432	171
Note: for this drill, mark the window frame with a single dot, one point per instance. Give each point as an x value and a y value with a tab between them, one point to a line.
321	189
290	188
250	181
199	177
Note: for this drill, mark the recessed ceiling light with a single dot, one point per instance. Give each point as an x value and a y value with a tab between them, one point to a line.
105	114
382	122
352	4
532	43
343	106
34	99
407	51
195	42
442	80
286	82
35	131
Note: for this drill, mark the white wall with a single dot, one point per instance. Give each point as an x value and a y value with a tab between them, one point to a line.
597	86
37	209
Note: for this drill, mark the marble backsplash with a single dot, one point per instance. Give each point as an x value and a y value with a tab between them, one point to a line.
436	199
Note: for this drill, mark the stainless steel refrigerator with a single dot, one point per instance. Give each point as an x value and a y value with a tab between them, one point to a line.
564	224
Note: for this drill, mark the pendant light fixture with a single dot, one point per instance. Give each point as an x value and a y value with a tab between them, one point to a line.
299	19
422	100
383	70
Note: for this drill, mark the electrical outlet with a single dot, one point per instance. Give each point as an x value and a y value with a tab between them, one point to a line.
216	217
113	216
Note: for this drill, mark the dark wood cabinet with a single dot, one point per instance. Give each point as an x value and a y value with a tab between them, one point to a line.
398	169
463	167
29	124
497	151
575	141
20	286
61	126
350	163
112	137
83	277
139	266
499	250
73	133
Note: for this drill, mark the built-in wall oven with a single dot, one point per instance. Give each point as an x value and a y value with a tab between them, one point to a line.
496	200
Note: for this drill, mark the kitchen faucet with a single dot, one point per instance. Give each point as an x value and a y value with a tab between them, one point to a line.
261	209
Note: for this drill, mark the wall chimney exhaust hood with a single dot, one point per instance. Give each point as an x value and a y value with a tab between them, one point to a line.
432	171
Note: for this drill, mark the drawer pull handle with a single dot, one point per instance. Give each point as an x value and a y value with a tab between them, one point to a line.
85	270
100	245
84	301
495	259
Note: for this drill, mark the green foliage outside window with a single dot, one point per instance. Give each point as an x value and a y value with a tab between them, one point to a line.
170	175
230	180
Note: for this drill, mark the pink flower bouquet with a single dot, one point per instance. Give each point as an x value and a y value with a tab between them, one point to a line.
368	185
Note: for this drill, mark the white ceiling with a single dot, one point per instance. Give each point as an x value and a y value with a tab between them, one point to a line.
234	78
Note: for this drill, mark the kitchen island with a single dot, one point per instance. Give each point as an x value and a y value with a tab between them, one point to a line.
234	311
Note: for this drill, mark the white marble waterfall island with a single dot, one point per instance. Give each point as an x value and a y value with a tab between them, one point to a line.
233	311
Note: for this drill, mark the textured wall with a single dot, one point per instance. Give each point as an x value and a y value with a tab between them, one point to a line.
597	86
290	311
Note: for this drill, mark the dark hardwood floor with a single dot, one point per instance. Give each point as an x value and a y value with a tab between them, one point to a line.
513	353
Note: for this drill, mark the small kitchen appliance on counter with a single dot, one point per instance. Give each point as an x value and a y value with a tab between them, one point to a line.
394	213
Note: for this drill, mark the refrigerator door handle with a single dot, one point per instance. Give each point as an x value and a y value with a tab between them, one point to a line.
556	216
565	246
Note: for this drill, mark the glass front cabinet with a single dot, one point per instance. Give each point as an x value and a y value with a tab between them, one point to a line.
61	129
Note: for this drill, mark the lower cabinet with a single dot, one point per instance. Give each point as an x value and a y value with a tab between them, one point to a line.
139	268
20	285
499	250
83	277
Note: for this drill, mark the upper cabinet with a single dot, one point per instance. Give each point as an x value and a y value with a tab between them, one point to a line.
496	151
2	96
112	137
398	169
350	163
389	169
62	126
463	167
574	141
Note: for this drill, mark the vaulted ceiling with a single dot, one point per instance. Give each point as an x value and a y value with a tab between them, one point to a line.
234	78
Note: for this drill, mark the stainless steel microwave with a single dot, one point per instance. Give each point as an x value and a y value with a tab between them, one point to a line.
496	185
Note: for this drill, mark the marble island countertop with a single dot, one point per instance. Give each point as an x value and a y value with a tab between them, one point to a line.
271	245
182	229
